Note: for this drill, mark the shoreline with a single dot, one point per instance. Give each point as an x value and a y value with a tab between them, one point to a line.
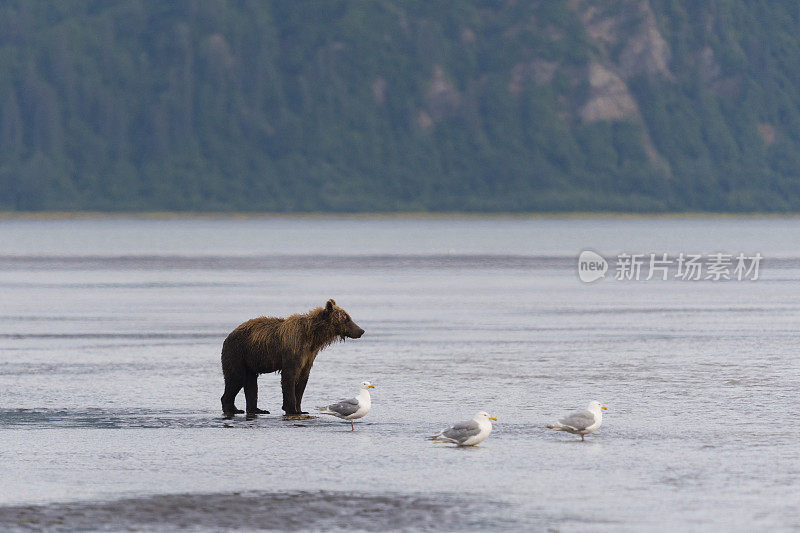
169	215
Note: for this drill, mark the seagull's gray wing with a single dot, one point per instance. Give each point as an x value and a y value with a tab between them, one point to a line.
344	407
579	420
462	431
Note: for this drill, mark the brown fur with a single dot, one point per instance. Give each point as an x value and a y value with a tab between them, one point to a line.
287	345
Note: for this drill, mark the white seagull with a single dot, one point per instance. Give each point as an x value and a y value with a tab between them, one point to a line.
352	408
467	433
581	422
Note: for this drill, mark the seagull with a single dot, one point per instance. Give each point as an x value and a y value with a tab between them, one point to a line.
581	422
467	433
352	408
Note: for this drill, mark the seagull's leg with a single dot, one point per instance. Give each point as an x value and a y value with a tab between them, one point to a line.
582	438
352	426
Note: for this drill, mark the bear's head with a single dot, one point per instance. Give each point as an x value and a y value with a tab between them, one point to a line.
342	324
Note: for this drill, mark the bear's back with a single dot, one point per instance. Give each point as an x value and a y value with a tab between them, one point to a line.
260	331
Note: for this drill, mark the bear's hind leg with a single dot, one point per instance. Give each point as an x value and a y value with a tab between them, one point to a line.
232	388
251	395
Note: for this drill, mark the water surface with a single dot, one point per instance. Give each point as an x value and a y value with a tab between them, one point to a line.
110	332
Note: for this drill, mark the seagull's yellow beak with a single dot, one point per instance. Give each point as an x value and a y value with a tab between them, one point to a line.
492	418
373	386
604	408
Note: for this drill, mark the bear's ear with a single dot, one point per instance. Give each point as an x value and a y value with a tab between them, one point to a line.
329	305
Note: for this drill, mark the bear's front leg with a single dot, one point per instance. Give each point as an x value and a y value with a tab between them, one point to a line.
288	384
299	389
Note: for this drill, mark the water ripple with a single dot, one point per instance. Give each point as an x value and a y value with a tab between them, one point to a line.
276	511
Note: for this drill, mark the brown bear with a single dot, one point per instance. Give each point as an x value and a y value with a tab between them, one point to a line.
287	345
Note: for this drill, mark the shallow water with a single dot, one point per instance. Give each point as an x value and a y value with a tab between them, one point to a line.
110	332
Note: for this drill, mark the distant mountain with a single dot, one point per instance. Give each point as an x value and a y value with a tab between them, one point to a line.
623	105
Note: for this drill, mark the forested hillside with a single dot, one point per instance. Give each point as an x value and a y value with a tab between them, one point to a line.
297	106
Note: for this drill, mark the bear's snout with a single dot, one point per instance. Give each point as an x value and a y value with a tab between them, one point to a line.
355	332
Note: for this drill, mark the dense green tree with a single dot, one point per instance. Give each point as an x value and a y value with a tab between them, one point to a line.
340	105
